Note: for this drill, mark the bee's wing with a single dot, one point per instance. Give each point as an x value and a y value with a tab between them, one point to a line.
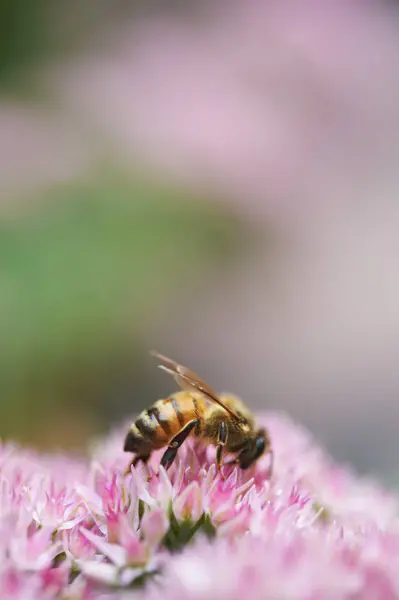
190	381
167	364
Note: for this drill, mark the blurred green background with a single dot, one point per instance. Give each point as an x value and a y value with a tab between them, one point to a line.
88	266
84	272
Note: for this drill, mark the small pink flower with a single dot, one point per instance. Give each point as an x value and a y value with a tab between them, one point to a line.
76	545
127	550
154	526
189	504
55	580
34	552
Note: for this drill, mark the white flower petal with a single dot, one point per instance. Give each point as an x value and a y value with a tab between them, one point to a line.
99	571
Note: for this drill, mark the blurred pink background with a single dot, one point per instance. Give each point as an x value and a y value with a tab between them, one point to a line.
285	115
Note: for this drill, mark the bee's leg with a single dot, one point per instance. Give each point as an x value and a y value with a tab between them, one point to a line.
222	439
175	443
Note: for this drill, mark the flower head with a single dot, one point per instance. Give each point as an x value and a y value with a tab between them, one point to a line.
312	530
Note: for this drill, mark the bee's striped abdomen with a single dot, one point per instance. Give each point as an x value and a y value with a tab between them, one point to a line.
158	415
157	425
146	425
171	415
179	410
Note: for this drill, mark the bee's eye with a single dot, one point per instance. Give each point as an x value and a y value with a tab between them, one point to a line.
259	447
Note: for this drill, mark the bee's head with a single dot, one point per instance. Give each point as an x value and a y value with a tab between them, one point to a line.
255	447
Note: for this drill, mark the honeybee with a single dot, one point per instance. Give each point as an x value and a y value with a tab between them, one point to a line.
223	421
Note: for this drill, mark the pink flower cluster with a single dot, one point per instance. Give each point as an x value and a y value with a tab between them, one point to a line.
80	529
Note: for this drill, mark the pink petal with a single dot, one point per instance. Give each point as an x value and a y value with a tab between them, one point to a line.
115	553
189	505
154	525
